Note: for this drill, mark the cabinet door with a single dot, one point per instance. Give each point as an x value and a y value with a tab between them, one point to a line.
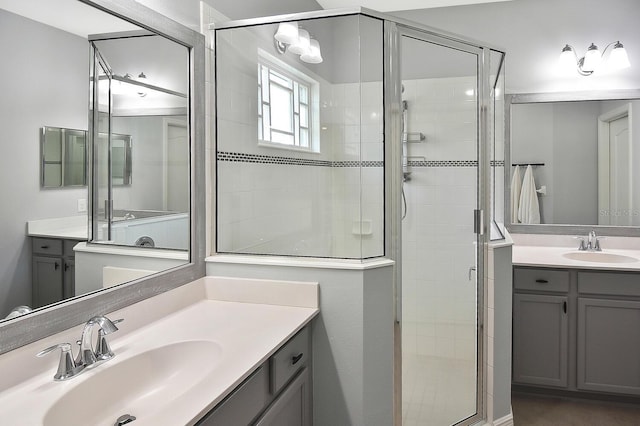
540	340
69	289
609	345
47	280
293	406
244	404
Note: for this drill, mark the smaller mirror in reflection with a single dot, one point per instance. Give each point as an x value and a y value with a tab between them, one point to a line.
63	155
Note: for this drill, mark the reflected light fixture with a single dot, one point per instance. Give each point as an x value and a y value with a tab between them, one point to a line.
618	58
297	40
142	79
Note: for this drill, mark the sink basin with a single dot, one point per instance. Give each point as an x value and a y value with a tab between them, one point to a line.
139	386
599	257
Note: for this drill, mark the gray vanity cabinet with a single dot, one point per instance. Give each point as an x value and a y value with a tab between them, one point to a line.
608	355
278	393
577	330
53	270
540	327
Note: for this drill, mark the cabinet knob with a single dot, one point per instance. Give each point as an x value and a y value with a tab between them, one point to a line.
56	265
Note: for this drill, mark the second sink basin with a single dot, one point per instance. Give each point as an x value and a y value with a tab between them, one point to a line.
137	386
599	257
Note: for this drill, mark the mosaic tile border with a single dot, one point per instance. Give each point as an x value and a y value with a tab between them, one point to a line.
271	159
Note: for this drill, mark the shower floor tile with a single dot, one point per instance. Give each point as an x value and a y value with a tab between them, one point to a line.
437	391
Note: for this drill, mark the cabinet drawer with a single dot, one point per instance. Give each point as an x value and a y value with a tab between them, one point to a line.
47	246
609	283
552	280
244	404
289	359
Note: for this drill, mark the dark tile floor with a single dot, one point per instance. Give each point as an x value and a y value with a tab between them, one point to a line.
533	410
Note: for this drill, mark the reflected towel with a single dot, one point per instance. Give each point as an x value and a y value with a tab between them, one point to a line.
516	187
529	210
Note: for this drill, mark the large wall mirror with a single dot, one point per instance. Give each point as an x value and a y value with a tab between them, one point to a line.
143	76
583	151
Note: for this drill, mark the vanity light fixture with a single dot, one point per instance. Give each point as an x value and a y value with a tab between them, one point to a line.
586	65
297	40
142	79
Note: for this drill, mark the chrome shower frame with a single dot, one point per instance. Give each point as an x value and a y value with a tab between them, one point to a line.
393	29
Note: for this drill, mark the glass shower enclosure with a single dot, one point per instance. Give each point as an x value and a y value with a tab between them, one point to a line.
373	139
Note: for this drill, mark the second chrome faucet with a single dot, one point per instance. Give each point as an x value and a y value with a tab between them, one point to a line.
591	243
89	355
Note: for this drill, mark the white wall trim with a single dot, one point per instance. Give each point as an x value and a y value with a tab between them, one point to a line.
504	421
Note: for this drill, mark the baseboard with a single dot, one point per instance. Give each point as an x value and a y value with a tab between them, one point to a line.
504	421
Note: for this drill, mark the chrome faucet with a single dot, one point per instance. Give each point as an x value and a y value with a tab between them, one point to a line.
69	367
592	242
87	355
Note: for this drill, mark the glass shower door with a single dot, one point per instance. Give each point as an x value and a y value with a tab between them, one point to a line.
441	262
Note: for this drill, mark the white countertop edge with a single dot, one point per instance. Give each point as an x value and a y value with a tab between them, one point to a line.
301	262
551	257
132	251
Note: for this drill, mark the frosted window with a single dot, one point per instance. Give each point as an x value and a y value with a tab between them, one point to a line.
283	108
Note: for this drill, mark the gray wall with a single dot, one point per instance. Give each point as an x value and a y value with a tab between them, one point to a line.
533	32
44	83
187	11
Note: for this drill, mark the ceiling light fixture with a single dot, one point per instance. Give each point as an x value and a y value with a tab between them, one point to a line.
297	40
592	60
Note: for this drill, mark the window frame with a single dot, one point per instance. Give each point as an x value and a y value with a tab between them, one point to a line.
297	79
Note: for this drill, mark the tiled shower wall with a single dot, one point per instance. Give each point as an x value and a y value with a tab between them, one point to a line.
285	202
438	288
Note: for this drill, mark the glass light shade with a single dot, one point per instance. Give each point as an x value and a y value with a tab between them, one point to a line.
567	59
313	56
303	43
287	32
618	58
591	59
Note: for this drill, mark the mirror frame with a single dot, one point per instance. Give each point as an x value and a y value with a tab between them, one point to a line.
558	229
44	322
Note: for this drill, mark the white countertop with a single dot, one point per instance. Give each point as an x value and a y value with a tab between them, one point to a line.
552	257
246	320
72	227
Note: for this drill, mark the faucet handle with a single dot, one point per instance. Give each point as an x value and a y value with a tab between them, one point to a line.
67	367
103	351
582	246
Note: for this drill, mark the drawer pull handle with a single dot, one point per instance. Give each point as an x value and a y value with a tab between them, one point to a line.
295	359
44	247
541	281
564	307
56	265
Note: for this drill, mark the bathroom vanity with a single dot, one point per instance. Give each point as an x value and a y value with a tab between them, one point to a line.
52	257
216	351
575	322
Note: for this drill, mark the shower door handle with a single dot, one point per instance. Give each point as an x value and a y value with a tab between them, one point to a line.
477	222
472	269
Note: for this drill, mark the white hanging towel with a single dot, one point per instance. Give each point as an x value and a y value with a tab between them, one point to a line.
529	210
516	187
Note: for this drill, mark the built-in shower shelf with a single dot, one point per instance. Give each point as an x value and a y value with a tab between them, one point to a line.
414	137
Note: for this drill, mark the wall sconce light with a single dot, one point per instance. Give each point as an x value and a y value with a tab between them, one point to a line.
586	65
297	40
